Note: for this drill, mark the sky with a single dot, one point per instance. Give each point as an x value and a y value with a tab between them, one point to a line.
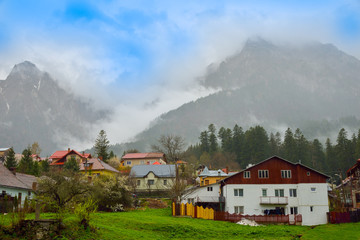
143	58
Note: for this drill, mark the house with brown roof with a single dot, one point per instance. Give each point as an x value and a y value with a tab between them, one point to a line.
60	157
16	184
132	159
95	166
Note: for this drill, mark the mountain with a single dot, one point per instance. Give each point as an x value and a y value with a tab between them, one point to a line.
314	86
34	108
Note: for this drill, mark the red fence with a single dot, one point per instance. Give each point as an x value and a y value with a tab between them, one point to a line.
344	217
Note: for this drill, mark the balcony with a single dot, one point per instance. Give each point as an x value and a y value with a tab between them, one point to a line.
274	200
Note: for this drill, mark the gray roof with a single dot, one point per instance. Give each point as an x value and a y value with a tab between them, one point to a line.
27	179
8	179
212	173
158	170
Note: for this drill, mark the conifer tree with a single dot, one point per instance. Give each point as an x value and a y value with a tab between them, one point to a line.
26	162
10	159
102	145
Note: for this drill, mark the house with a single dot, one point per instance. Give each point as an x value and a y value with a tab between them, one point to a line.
273	186
352	185
205	196
207	176
149	178
95	166
3	154
132	159
60	157
16	184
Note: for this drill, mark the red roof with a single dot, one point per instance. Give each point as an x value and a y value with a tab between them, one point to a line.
58	155
142	155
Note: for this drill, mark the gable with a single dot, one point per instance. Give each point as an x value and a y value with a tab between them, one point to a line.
270	172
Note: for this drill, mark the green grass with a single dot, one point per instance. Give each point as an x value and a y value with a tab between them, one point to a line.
159	224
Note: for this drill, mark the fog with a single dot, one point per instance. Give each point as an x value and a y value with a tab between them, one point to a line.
142	59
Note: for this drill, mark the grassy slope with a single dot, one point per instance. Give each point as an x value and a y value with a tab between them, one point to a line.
159	224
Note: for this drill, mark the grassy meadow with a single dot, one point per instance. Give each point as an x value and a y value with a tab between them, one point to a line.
159	224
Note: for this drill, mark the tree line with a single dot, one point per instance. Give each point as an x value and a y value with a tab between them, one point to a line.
238	148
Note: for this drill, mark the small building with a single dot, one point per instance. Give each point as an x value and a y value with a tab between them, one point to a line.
132	159
211	176
153	178
16	184
352	185
205	196
60	157
95	166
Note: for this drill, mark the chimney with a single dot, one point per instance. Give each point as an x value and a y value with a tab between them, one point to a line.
227	169
34	185
13	170
68	150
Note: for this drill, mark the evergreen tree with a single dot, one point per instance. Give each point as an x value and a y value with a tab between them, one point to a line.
44	166
213	144
330	157
257	144
111	155
275	144
301	148
72	165
357	146
317	155
36	169
204	141
225	136
343	151
10	159
238	143
102	145
289	147
26	162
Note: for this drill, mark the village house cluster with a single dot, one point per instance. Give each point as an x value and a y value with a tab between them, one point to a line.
274	186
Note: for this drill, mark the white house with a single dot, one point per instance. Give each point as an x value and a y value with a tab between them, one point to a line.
274	186
16	184
205	196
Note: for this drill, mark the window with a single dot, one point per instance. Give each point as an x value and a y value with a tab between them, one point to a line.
279	192
311	208
239	209
263	173
138	182
209	189
313	189
308	173
247	174
239	192
165	181
292	192
206	182
285	173
29	193
128	163
3	193
264	192
293	210
191	200
142	162
151	182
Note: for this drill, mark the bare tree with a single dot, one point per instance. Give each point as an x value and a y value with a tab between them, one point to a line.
171	145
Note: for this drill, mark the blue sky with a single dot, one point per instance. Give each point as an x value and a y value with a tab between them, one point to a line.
142	57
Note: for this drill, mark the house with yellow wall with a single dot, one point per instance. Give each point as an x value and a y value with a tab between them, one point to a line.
60	157
211	176
132	159
96	167
149	178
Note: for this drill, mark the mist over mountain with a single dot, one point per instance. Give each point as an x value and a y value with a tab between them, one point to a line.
34	108
314	87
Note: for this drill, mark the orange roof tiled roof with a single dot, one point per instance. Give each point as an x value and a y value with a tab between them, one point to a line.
97	164
142	155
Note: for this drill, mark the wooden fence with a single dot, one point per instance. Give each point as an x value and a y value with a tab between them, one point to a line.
208	213
344	217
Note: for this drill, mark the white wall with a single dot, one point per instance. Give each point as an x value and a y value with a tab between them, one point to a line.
201	194
305	198
15	192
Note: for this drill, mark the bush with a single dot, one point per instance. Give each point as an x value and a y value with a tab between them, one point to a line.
83	211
